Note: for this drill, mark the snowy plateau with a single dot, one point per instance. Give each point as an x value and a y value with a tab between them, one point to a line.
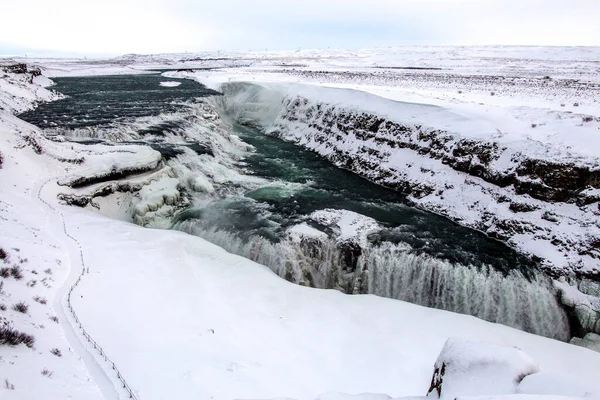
110	290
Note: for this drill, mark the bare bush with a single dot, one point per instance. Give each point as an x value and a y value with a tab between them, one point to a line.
40	300
3	253
56	352
16	272
46	372
53	318
3	307
8	385
12	337
4	272
21	307
48	271
32	283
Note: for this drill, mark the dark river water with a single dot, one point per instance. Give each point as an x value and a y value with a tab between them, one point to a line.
417	256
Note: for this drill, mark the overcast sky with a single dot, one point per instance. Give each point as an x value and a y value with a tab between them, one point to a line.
111	27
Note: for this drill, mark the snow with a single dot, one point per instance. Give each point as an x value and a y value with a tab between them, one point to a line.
347	225
303	230
466	368
170	84
230	328
552	384
184	319
102	161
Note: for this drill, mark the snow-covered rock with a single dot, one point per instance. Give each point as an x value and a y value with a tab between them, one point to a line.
466	369
346	226
586	307
590	341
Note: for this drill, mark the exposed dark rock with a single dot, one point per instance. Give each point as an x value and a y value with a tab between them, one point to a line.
32	141
114	174
522	207
74	200
17	68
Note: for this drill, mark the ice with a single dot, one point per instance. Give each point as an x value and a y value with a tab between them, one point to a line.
303	230
170	84
467	369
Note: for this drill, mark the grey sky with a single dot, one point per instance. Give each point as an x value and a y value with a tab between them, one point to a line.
152	26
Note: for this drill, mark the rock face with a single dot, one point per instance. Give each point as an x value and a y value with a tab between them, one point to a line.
475	369
540	179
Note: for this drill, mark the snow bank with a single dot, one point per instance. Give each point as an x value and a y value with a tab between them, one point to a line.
104	163
31	237
22	91
235	325
557	385
468	369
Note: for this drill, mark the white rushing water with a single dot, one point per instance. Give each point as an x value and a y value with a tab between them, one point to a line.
395	271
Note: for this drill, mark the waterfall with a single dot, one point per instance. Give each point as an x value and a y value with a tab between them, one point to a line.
397	272
509	299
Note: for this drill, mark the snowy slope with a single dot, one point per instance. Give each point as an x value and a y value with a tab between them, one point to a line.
28	235
229	328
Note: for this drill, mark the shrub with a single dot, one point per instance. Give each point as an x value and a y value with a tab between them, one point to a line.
8	385
21	307
16	272
3	307
40	300
53	318
46	372
31	283
48	271
1	159
12	337
3	253
4	272
56	352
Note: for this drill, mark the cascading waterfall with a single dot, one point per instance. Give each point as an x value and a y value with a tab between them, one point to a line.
395	271
510	299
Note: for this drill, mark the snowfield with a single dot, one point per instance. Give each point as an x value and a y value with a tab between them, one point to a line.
181	318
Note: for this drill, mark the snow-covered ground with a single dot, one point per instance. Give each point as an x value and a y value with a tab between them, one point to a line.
182	318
